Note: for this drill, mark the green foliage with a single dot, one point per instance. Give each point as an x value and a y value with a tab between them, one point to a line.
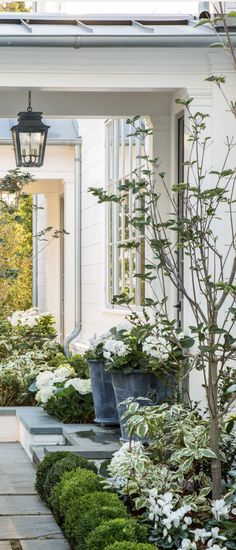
125	545
12	388
79	364
88	512
70	407
18	372
45	466
115	530
177	458
16	258
13	6
57	470
72	486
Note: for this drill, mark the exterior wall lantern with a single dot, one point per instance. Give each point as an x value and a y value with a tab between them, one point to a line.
29	138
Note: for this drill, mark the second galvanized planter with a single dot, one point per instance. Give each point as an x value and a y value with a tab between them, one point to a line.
103	394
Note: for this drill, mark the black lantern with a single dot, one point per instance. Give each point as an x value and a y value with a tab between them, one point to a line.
29	138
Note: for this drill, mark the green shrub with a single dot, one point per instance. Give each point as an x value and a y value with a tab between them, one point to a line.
72	486
87	512
80	365
44	467
60	467
130	546
115	530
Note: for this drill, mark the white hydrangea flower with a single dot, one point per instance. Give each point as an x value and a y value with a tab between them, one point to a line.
45	393
44	379
220	509
157	347
29	318
115	347
124	325
61	374
80	385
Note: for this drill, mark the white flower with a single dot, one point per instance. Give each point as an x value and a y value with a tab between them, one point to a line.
60	374
45	394
157	347
202	535
29	318
220	509
80	385
125	325
187	544
114	347
44	379
188	520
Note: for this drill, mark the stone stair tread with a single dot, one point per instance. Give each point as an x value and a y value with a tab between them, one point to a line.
28	527
46	544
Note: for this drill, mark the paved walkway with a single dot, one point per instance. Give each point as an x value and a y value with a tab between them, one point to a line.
25	521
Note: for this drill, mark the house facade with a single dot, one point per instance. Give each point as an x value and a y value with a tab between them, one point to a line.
101	70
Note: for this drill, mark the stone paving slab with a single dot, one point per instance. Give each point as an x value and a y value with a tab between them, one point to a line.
22	504
12	453
43	545
26	527
5	545
17	485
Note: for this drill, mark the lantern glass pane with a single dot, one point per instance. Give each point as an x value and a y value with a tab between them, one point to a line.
31	144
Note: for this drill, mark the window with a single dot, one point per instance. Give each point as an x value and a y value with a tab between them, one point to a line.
122	151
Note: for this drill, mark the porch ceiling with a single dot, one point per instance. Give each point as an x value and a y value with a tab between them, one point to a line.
69	104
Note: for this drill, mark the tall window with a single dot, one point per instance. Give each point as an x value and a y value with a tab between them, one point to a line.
122	151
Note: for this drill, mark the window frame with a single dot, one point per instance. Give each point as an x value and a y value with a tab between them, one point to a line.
112	179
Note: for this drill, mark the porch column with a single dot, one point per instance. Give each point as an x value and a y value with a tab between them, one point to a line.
52	253
69	254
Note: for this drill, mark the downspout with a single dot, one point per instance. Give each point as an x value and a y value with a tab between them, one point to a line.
77	249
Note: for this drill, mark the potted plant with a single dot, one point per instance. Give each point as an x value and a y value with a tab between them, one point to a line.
101	382
144	361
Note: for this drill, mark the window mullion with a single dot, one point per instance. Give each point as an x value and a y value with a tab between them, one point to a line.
115	169
137	233
130	252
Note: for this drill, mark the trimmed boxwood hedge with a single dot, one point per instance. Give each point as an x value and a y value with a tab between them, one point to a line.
113	530
45	466
124	545
87	512
72	486
59	468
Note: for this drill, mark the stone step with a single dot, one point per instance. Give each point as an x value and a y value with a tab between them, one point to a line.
28	527
95	442
43	545
13	505
5	545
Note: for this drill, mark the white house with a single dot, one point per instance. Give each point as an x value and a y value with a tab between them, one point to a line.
101	70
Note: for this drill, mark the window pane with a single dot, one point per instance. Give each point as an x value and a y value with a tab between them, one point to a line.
123	264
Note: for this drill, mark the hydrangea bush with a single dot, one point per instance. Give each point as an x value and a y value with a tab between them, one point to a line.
160	348
28	347
64	395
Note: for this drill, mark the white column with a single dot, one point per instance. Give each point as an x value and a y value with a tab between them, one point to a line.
69	255
52	251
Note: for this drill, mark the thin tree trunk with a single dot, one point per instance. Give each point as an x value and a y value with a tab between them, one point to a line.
214	431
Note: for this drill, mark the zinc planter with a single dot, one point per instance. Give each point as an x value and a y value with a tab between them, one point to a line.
103	394
138	384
